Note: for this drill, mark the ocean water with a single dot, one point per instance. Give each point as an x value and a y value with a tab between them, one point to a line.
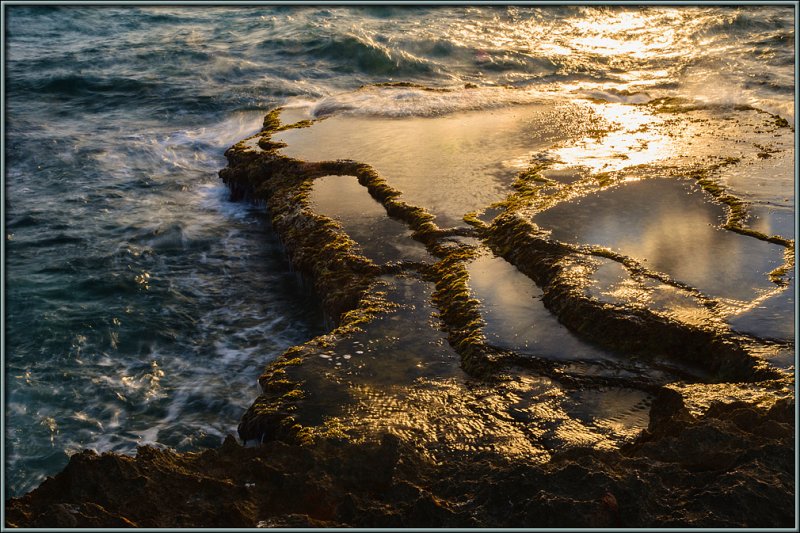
141	304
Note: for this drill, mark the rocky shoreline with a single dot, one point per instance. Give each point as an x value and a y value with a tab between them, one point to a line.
406	415
732	467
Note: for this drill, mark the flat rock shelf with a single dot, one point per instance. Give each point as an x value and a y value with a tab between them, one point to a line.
549	314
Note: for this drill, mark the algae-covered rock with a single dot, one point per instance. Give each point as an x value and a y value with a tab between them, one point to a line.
328	385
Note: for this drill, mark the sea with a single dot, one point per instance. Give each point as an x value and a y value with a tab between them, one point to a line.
141	304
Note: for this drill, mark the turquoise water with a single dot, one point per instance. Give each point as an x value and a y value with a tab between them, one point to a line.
141	304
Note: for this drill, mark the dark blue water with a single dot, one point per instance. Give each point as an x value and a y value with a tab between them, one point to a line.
141	304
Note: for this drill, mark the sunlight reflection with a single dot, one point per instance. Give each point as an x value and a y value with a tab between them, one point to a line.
630	140
677	234
611	33
469	159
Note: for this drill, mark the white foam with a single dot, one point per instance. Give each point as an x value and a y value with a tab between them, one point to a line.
418	102
617	97
781	107
231	130
216	196
716	88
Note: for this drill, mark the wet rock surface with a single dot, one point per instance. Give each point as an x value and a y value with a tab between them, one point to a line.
731	467
506	370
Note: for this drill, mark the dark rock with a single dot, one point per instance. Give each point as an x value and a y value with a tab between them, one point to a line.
706	472
667	407
783	411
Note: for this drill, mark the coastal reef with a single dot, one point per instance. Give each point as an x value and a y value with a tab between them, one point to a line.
541	314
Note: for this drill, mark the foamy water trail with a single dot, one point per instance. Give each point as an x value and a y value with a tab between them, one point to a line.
208	300
419	102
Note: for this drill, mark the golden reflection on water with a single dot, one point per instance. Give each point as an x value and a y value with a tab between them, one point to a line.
149	382
433	160
631	138
637	33
523	417
143	280
611	282
674	231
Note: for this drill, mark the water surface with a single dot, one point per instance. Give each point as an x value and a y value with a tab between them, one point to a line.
516	319
450	165
671	226
380	238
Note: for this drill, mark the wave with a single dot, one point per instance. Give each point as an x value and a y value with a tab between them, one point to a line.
350	53
438	47
748	21
47	241
76	85
23	220
711	83
174	54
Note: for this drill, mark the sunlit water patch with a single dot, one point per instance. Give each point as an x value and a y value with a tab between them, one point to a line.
611	282
626	136
760	144
515	316
451	164
672	227
379	237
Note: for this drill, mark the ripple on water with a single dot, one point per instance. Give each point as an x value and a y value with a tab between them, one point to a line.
621	412
401	346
